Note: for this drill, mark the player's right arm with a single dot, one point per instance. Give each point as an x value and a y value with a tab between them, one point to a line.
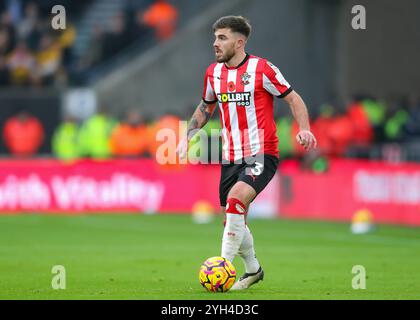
200	117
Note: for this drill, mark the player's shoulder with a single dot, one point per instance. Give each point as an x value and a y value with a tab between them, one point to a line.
263	63
268	66
211	67
259	59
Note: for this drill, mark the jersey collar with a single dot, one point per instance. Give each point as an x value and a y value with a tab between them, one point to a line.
239	65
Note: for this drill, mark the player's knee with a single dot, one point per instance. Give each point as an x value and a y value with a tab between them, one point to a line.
235	206
243	192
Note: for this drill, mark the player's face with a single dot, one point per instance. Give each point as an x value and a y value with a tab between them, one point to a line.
224	45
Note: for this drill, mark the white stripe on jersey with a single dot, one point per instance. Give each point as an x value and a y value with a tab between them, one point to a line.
281	79
269	86
216	76
234	123
209	96
279	76
251	114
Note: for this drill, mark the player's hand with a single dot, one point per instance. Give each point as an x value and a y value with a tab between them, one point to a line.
306	139
182	148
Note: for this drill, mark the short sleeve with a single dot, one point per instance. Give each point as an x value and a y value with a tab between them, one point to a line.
274	82
208	92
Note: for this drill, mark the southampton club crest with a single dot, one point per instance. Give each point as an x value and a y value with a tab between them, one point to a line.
245	78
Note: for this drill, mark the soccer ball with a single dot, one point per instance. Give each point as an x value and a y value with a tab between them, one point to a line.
217	274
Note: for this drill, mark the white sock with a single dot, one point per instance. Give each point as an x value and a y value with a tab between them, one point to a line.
233	235
247	252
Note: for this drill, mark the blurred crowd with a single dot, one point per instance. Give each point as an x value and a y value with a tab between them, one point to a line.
101	136
32	53
140	21
350	133
360	130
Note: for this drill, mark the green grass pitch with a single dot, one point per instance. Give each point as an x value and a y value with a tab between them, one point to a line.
158	257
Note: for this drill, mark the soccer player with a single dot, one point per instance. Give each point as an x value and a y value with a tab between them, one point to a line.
243	87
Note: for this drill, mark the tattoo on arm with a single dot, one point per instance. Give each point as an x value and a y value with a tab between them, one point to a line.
204	108
200	117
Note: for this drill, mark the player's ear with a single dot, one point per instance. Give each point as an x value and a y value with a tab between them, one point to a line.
240	42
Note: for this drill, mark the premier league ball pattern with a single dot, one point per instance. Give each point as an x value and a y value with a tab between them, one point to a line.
217	274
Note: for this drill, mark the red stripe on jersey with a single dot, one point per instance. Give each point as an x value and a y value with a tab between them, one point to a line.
225	107
241	111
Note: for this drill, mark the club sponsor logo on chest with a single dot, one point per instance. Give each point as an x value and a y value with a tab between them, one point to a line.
240	98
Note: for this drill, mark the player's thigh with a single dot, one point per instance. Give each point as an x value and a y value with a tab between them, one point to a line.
258	174
228	177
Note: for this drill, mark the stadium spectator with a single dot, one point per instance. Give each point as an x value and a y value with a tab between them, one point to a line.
93	55
66	39
284	133
94	135
6	45
363	131
22	65
394	125
14	8
23	134
412	126
315	161
375	111
297	149
139	29
340	133
48	59
117	37
128	139
321	126
6	24
163	18
33	39
4	73
30	21
65	140
134	5
168	121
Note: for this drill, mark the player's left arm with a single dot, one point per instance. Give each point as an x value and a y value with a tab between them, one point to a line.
305	137
275	83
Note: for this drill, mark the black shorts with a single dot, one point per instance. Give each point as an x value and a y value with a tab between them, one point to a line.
255	171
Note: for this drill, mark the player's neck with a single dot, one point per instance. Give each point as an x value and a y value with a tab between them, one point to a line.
236	60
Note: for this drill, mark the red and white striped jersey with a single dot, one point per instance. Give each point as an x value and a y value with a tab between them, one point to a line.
245	98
